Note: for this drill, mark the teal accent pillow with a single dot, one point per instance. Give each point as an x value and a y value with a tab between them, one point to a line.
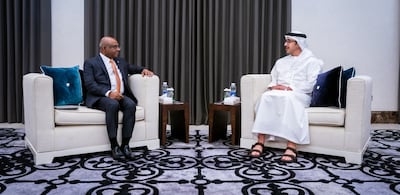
67	85
346	75
327	90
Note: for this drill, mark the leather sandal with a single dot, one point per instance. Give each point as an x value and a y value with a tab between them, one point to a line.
293	158
259	152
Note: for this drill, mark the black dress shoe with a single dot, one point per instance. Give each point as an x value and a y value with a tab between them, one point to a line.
117	153
127	152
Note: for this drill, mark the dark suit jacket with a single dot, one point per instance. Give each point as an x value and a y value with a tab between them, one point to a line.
97	81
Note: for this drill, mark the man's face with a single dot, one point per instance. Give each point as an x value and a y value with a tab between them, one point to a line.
291	47
111	48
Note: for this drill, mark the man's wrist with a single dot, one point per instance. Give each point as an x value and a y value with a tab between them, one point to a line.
108	93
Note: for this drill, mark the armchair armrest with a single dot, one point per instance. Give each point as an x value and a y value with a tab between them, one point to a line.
146	90
251	88
39	110
358	111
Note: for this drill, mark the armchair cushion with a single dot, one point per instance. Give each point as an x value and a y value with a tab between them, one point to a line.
326	91
328	116
88	116
66	84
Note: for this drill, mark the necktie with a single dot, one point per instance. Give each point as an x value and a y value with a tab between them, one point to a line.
118	80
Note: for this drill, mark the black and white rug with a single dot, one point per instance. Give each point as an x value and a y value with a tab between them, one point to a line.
200	168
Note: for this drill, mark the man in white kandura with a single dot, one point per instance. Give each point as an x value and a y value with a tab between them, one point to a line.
281	109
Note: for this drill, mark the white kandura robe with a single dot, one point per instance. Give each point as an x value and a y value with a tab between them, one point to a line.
282	113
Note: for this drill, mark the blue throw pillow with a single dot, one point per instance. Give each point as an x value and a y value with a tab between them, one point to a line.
346	75
326	91
66	84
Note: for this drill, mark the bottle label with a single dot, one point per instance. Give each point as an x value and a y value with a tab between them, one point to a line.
233	89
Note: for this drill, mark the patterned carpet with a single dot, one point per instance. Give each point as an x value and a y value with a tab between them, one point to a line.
200	168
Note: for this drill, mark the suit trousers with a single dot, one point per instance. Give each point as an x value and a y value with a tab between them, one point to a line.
111	107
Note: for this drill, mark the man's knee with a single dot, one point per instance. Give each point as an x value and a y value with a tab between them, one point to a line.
113	106
131	106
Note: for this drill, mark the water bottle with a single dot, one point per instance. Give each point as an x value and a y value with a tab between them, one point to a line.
227	93
170	93
164	88
233	89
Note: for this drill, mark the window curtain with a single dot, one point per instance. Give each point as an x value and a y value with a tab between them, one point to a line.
198	46
25	43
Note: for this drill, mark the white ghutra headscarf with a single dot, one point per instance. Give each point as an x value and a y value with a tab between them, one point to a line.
299	37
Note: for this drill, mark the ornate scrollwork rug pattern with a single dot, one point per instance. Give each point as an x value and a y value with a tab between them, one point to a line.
200	167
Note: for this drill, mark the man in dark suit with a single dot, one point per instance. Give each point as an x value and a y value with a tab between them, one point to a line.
106	81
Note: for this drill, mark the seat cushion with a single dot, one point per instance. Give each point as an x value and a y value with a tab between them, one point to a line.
87	116
330	116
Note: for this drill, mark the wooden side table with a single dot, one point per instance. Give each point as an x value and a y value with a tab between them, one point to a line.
179	118
217	121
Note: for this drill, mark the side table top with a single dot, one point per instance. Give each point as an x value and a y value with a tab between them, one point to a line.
222	104
175	102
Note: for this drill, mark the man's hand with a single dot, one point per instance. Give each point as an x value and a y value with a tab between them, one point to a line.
147	72
115	95
281	87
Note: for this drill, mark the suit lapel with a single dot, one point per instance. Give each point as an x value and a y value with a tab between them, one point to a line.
103	67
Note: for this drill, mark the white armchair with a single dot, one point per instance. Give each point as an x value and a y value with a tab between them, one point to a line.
333	131
52	132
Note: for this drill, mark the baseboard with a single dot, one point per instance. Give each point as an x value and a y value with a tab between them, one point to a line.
385	117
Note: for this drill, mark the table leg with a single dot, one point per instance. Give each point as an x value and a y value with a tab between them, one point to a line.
163	125
210	123
235	125
187	119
